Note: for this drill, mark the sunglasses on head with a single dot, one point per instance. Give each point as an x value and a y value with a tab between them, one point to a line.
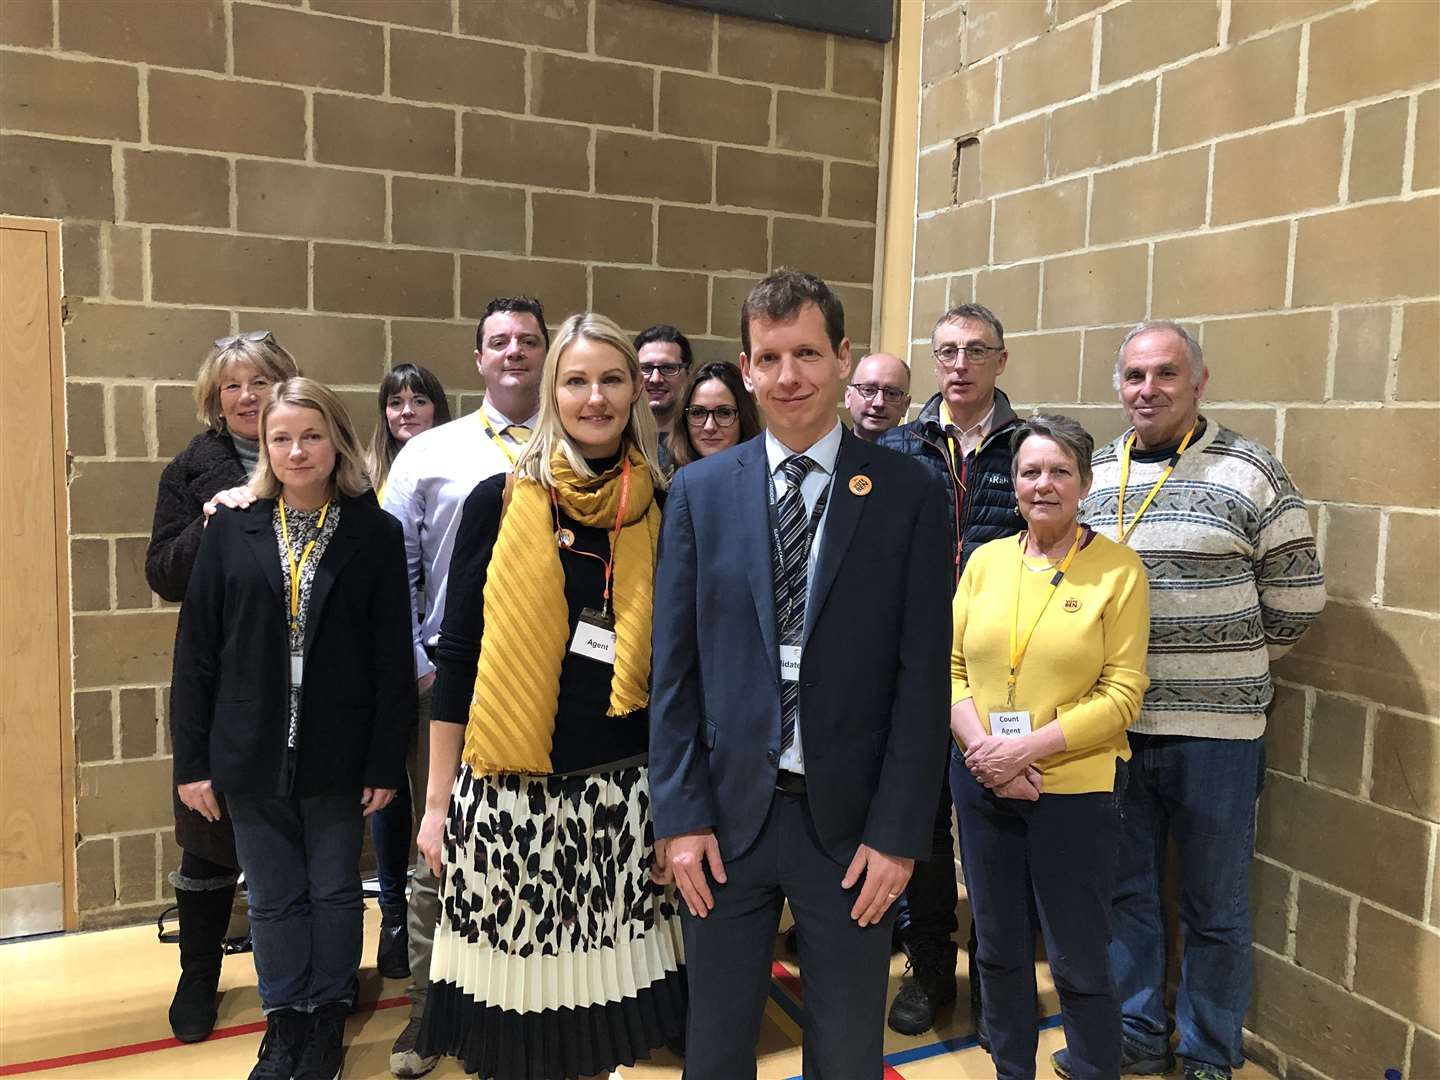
256	336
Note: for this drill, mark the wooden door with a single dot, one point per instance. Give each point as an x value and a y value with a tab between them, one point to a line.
36	747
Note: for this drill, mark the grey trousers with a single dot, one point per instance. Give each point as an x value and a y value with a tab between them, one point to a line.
423	912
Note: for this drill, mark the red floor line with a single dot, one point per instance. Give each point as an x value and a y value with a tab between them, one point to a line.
791	983
131	1049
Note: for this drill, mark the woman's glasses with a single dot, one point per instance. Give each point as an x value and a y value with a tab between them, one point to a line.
697	415
256	336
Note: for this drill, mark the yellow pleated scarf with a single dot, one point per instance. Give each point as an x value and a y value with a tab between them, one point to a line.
527	626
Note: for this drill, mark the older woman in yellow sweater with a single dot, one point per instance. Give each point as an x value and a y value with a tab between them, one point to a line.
1048	671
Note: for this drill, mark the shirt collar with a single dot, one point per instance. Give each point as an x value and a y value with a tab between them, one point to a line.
824	451
978	431
499	421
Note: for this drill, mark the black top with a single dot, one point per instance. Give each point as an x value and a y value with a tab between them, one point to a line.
1165	453
229	693
206	467
586	739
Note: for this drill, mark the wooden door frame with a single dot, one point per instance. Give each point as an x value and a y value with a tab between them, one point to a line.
51	229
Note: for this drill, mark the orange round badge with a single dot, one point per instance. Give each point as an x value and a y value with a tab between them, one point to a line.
860	485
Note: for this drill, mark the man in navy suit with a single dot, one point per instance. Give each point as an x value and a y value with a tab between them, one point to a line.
801	694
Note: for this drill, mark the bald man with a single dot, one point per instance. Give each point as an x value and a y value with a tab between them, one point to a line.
878	396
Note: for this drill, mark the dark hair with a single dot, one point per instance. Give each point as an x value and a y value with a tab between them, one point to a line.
977	312
682	450
526	304
1070	435
671	334
383	445
780	297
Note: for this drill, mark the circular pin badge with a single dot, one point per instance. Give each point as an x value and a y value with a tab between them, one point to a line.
564	537
1072	604
860	485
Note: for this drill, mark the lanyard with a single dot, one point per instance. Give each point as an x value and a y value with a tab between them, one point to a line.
962	491
1017	652
504	447
810	532
296	571
1121	532
565	538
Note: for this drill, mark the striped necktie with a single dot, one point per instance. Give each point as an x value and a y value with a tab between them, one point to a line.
789	565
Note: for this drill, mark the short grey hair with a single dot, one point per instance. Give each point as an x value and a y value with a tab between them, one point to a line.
1070	435
1192	347
977	312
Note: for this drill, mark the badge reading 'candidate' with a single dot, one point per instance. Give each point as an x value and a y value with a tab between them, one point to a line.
860	485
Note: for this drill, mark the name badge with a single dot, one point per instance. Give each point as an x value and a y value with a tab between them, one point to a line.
297	668
1010	724
790	663
595	637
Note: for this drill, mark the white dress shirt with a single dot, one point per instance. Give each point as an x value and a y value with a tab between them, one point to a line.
431	478
824	452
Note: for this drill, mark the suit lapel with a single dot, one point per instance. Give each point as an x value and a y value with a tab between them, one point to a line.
840	522
752	501
341	549
260	539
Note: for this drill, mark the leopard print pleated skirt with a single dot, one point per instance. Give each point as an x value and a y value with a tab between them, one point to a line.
556	956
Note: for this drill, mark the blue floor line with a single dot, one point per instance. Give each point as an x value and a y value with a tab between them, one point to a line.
793	1010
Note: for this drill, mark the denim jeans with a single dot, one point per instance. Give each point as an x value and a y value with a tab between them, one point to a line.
301	858
1201	792
1061	851
393	837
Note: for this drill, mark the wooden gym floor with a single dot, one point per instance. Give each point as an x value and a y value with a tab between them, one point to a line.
93	1006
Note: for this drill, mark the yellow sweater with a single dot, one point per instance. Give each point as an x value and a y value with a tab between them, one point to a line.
1085	666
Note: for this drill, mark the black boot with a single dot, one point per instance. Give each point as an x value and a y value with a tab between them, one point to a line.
204	917
930	988
392	958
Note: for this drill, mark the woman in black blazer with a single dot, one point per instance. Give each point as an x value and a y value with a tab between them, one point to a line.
293	694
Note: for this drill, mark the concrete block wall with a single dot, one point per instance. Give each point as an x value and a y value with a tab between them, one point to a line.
360	177
1266	172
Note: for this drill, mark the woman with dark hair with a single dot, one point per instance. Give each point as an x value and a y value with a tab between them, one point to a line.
231	387
292	692
411	401
716	413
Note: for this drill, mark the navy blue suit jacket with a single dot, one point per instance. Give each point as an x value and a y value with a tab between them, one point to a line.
874	673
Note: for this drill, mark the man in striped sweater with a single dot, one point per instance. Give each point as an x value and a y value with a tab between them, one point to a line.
1234	582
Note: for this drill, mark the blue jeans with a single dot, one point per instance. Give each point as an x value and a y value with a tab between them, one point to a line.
1059	851
301	858
392	835
1201	792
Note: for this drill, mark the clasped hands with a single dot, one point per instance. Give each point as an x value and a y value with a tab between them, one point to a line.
1004	766
684	859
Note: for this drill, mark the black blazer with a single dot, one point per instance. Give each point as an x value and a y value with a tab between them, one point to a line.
228	694
874	673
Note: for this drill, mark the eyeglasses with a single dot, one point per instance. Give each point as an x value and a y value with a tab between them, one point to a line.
949	355
697	415
256	336
892	394
668	369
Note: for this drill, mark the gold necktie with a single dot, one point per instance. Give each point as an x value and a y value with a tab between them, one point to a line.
519	434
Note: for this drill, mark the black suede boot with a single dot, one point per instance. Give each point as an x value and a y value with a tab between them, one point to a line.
392	958
204	917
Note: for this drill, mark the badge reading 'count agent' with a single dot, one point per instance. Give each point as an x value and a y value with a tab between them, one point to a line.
860	485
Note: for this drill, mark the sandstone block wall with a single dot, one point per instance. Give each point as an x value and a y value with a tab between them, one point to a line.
1266	172
361	176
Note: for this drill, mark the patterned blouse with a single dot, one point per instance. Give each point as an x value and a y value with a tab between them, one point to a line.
303	526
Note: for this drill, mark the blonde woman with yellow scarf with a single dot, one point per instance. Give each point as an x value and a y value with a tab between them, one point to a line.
558	953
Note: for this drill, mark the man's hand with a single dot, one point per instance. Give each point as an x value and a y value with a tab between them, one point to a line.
200	797
996	760
375	798
1028	786
687	855
885	879
431	839
660	872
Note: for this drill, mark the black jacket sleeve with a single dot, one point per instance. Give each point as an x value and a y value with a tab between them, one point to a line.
393	664
197	652
175	537
457	654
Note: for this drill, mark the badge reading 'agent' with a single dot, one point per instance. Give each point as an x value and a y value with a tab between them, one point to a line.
860	485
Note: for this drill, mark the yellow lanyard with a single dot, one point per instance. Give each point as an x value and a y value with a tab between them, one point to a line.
296	571
1121	532
504	447
1017	651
